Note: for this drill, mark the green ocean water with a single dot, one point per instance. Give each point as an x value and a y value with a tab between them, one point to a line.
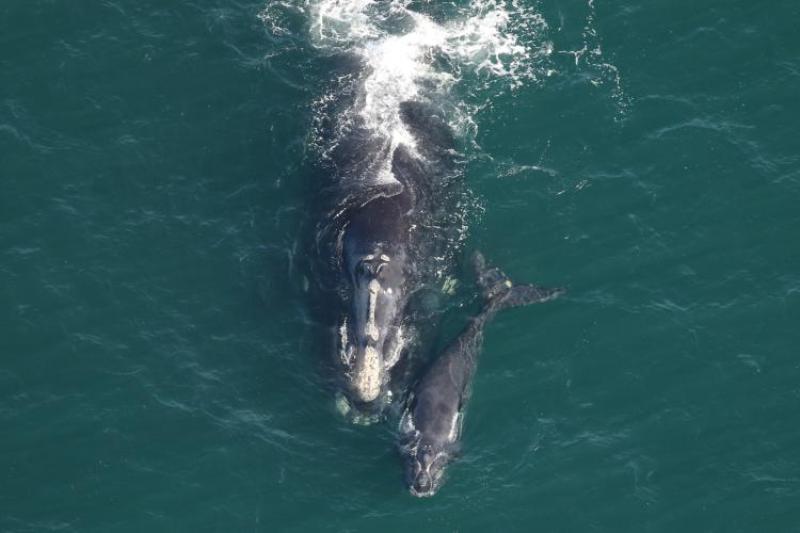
161	364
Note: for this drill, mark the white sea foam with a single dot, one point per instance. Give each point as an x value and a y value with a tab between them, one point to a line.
600	71
406	55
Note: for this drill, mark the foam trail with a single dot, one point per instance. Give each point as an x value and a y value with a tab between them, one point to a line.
406	55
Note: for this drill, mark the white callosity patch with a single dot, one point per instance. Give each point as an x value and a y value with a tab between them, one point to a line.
371	330
367	380
408	56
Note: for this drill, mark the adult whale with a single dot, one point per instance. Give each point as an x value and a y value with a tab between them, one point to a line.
431	423
380	242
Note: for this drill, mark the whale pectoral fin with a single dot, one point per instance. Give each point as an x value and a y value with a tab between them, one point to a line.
519	295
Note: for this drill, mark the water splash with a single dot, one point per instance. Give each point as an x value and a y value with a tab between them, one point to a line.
407	55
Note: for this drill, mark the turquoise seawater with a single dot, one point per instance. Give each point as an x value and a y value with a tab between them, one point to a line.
162	363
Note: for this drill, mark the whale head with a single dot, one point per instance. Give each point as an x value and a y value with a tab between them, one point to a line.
428	441
425	467
371	336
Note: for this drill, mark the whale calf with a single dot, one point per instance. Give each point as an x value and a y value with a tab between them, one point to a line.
430	427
